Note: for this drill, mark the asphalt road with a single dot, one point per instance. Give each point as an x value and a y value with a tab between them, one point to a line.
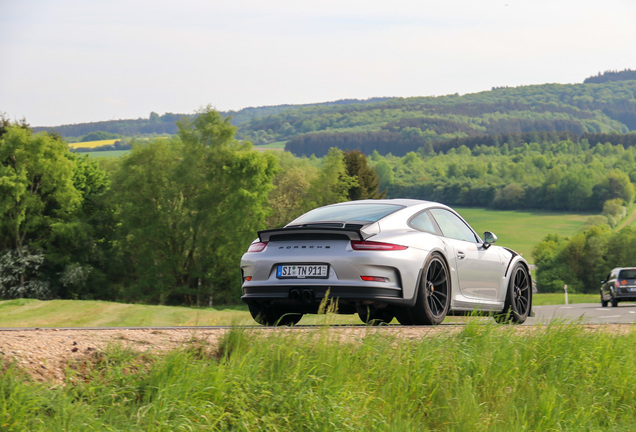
587	313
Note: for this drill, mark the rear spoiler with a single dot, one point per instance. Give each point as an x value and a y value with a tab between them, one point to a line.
352	232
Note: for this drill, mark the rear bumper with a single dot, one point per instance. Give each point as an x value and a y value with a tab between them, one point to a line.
628	293
309	297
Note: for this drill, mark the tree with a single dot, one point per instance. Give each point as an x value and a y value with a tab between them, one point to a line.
333	183
615	184
552	273
80	250
584	255
288	199
189	208
368	181
620	248
37	193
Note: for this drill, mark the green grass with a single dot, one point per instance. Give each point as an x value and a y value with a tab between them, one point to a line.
522	230
484	378
543	299
278	145
89	313
108	154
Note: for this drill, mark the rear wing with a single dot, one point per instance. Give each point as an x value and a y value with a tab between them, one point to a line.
351	231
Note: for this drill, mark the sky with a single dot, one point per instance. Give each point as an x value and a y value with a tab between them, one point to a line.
76	61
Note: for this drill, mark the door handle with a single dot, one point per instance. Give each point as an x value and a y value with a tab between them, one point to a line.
461	255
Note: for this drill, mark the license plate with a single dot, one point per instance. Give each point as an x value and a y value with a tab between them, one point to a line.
302	271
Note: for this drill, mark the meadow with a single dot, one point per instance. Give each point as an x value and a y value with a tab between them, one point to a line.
92	144
521	230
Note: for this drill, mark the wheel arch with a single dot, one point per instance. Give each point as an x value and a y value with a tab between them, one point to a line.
440	252
518	259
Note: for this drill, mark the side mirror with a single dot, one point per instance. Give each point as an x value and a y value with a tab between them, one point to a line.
489	238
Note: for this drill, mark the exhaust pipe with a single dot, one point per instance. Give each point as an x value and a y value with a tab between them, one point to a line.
294	295
307	296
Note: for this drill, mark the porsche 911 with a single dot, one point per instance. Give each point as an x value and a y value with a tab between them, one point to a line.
415	261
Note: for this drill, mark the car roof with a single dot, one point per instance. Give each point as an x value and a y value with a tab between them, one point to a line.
406	202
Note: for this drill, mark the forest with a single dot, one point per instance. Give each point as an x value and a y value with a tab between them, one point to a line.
168	222
159	224
605	103
165	224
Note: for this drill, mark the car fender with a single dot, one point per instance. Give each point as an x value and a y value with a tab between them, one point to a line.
443	254
514	259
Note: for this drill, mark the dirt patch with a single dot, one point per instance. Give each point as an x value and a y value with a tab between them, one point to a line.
45	354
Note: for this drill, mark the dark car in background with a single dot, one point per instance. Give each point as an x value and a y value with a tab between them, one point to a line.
619	285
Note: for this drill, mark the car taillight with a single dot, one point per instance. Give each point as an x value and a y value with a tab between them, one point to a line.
257	247
375	246
374	278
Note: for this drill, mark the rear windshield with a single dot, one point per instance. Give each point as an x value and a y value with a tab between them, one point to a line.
349	213
627	274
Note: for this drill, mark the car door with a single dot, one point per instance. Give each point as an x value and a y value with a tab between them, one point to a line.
479	269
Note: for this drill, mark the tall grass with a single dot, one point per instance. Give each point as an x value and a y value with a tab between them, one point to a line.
486	378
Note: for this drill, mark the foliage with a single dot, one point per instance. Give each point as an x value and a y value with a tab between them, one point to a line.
189	208
608	76
98	136
168	222
20	276
582	260
481	378
400	125
36	184
38	198
333	182
368	181
290	196
153	125
555	175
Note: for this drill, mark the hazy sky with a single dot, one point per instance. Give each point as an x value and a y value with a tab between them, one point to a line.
73	61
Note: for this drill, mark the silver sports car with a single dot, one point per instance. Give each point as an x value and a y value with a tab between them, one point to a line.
416	261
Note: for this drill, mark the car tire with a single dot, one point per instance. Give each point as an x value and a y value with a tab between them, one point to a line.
614	301
518	298
376	317
603	302
273	316
433	295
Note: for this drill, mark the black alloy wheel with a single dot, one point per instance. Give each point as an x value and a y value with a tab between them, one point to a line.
518	298
433	296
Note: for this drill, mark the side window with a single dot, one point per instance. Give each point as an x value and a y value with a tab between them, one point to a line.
423	222
452	226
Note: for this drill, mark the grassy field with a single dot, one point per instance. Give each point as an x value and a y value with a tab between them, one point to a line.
89	313
483	378
93	144
522	230
278	145
108	154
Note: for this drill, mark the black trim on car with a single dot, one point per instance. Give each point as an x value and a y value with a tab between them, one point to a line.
352	233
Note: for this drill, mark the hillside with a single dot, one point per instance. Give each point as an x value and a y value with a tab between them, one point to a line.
403	125
400	125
